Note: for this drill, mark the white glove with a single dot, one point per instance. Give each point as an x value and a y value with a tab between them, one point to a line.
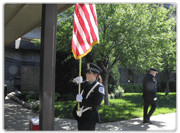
79	79
79	113
79	98
155	98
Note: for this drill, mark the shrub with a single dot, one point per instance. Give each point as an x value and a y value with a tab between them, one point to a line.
32	97
162	86
113	81
68	97
28	97
117	93
111	96
172	86
132	87
22	96
36	108
57	96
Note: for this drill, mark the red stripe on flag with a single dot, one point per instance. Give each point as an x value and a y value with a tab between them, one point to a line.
82	23
93	13
87	15
75	48
79	38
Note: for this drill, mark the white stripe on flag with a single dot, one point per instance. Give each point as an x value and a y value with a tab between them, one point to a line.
83	36
94	7
80	50
92	21
81	12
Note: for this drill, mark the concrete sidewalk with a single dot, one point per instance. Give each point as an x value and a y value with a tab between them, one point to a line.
17	117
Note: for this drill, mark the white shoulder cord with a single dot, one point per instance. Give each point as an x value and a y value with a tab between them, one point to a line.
92	90
81	109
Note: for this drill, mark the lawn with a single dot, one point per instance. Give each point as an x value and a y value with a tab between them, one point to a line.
130	106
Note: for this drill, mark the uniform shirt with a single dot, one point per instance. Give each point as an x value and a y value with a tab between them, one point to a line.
149	87
96	96
94	100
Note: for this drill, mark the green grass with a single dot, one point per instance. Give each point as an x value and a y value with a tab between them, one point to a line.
130	106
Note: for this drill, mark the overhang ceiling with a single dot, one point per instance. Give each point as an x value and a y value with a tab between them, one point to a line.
20	19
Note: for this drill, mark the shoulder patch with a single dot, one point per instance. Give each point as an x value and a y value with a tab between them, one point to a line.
101	90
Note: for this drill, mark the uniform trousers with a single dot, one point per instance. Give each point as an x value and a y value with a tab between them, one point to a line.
86	126
153	107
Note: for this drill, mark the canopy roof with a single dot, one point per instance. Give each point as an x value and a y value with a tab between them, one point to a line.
20	19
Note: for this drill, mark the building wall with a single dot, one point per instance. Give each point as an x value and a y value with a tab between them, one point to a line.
30	79
138	77
15	60
123	75
12	68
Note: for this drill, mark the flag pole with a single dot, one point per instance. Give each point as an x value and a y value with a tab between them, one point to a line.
79	89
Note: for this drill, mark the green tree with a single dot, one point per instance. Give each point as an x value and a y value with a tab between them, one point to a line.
168	49
135	36
131	35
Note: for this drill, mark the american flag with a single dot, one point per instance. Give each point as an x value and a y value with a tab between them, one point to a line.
85	30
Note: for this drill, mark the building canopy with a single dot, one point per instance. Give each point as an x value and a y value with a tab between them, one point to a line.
20	19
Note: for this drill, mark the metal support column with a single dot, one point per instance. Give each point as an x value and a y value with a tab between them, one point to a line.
47	66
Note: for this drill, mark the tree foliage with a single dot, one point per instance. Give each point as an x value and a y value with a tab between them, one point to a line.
138	36
134	36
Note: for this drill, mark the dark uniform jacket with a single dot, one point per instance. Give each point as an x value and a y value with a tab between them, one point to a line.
149	87
94	100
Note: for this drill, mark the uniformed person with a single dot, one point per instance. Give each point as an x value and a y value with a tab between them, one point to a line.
90	98
149	94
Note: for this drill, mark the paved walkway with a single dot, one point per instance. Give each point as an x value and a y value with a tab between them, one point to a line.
17	117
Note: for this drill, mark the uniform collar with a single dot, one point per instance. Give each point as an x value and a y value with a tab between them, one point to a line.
93	82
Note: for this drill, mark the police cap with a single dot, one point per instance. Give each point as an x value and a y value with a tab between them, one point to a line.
154	69
94	68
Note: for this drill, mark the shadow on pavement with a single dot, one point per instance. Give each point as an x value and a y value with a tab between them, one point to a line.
16	117
138	125
129	125
65	124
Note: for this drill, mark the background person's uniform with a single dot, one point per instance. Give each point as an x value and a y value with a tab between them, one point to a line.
149	96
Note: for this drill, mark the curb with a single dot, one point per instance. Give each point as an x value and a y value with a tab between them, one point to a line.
13	96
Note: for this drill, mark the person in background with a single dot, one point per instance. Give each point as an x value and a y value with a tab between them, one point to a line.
149	94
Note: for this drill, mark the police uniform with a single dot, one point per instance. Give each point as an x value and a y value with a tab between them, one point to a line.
93	94
149	95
